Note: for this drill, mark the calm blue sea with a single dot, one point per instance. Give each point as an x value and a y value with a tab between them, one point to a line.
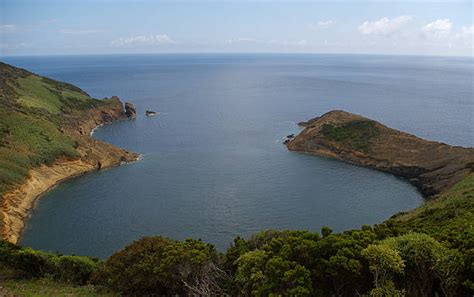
213	165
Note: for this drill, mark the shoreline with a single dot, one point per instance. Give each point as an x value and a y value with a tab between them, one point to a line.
432	167
17	203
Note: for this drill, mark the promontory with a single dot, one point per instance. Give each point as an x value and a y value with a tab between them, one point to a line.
45	128
431	166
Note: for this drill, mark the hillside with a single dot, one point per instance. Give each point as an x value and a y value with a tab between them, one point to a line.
44	138
432	166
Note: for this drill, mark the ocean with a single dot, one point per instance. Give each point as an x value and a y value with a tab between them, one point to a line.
213	164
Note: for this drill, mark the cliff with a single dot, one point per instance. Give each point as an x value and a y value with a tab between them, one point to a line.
45	130
431	166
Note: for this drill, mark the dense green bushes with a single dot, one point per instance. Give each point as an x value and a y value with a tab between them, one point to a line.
28	263
160	266
270	263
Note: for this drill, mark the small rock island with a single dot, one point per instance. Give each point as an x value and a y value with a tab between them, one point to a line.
149	113
431	166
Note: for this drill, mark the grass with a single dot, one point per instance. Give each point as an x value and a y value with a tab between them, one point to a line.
448	218
33	93
356	134
27	141
45	288
36	92
32	111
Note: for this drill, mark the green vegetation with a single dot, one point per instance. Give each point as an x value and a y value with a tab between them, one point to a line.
27	263
33	110
448	219
26	142
356	134
47	287
52	96
160	266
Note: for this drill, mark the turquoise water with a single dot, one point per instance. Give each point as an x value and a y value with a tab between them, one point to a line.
213	165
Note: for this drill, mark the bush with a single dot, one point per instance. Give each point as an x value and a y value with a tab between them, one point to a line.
161	266
29	263
76	270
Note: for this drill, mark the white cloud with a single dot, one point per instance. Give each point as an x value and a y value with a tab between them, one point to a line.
80	31
15	46
240	40
438	28
159	39
466	32
325	24
466	36
384	26
302	42
321	25
296	44
7	27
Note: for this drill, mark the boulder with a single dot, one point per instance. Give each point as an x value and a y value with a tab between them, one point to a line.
150	113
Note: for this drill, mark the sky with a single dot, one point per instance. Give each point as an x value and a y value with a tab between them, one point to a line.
52	27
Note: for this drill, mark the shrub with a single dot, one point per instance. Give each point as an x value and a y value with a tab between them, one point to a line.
76	270
29	263
160	266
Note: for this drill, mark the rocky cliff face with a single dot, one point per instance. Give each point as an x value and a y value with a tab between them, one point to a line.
83	123
130	110
431	166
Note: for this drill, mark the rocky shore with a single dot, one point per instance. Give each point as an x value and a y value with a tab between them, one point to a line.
431	166
94	155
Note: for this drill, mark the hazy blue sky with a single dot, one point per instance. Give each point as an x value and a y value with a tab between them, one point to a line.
106	26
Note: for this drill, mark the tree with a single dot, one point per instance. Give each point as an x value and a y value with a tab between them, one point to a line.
161	266
262	275
384	262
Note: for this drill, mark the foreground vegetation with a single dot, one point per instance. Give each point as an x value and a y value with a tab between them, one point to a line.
48	287
426	252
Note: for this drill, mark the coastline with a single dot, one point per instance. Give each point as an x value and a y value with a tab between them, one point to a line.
94	155
432	167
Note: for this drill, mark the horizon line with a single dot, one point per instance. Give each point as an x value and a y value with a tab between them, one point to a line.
234	53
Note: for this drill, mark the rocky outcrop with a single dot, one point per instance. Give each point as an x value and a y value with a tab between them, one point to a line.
130	110
83	123
94	155
431	166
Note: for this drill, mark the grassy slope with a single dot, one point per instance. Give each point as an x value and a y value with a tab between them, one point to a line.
32	109
45	287
449	218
